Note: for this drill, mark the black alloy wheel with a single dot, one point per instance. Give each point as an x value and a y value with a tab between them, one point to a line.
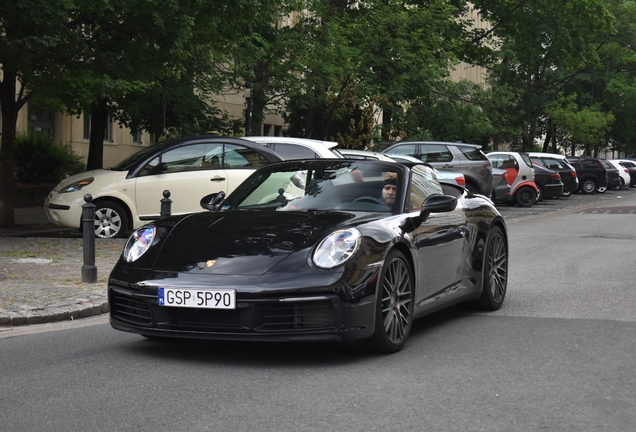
495	271
525	196
394	307
588	186
111	220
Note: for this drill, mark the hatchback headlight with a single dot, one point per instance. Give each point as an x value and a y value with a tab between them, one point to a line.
139	242
337	248
78	185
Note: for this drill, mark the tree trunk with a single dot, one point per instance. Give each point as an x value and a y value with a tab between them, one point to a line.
10	108
99	118
554	141
548	136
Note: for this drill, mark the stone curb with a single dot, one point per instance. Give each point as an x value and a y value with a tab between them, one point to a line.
65	313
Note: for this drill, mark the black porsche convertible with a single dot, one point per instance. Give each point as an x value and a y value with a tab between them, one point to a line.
320	250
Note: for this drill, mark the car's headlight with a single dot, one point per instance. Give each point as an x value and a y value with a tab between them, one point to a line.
139	242
337	248
75	186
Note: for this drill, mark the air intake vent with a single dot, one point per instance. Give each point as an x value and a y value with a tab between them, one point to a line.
299	315
128	309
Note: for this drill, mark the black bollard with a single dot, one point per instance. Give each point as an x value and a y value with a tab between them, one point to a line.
166	203
89	269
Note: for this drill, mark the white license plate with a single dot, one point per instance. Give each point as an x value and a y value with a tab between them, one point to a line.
197	298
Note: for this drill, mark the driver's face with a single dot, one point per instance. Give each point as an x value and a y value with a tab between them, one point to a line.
388	194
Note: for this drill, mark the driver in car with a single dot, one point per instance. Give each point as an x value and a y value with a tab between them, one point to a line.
389	188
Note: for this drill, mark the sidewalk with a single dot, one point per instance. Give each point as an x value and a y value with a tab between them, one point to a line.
41	272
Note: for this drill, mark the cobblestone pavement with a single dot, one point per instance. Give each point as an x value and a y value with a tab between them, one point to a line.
41	279
41	270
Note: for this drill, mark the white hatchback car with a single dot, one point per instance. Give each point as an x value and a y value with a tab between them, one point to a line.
290	148
129	194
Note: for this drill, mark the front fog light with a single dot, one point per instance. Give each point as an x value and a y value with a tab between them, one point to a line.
139	242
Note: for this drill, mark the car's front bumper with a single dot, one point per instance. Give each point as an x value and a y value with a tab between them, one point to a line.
64	210
281	307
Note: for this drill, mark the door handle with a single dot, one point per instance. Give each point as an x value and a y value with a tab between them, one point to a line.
218	179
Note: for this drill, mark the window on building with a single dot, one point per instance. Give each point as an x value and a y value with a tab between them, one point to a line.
108	130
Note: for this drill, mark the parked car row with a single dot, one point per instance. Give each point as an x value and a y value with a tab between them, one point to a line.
128	195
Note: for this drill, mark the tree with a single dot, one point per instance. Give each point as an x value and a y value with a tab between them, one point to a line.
539	47
35	41
390	54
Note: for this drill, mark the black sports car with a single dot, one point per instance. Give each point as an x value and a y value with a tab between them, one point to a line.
322	250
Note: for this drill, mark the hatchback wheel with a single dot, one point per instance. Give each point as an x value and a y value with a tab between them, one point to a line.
111	220
588	186
624	185
525	196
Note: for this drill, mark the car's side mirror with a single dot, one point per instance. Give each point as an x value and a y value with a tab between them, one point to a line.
437	204
213	201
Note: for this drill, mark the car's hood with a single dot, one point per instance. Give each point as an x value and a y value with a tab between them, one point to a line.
101	176
242	242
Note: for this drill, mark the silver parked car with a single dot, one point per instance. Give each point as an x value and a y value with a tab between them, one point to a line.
467	159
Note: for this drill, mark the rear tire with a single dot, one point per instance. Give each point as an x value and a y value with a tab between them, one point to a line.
624	186
525	196
588	186
394	306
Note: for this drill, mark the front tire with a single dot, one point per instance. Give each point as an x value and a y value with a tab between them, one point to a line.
495	271
111	220
394	306
525	196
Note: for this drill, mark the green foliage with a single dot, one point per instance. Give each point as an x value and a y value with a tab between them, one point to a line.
39	160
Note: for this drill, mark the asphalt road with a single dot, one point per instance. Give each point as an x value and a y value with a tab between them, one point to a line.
559	356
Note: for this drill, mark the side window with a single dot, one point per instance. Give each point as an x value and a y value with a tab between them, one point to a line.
472	153
435	153
423	184
590	163
540	161
239	157
513	162
193	157
406	149
293	151
497	161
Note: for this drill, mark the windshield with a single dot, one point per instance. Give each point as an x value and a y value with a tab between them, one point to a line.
318	186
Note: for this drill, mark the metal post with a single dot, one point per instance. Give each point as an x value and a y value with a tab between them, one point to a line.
166	204
89	269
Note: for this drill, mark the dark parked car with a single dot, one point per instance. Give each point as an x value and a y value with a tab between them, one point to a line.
549	183
590	172
500	186
467	159
320	250
613	178
559	164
